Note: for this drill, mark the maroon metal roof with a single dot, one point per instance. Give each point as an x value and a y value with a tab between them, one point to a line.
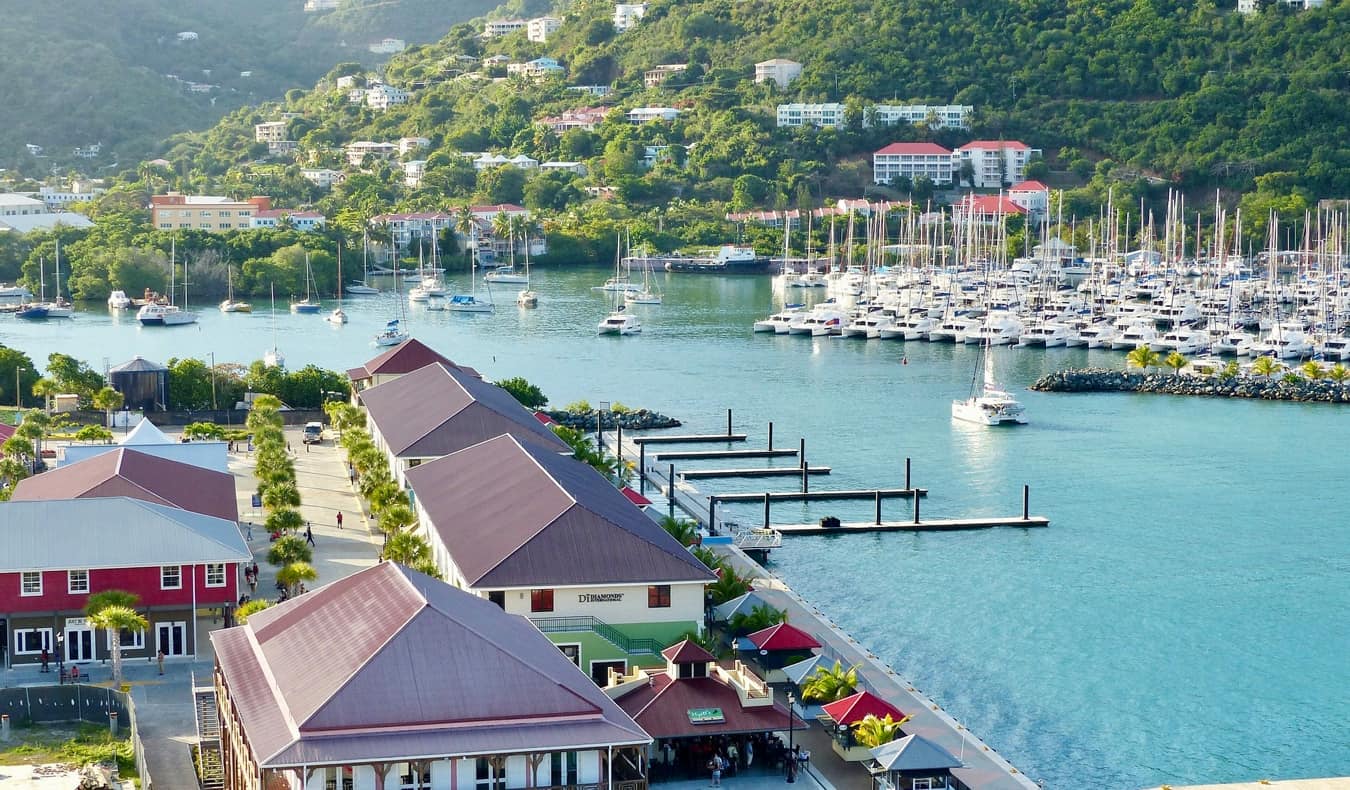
437	410
662	708
854	708
405	357
783	636
687	652
131	473
6	431
421	670
513	514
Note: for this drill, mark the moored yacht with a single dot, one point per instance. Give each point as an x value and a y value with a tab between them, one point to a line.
988	404
619	323
1139	333
118	300
779	322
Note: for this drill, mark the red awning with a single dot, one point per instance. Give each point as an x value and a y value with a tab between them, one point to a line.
851	710
783	636
635	497
544	418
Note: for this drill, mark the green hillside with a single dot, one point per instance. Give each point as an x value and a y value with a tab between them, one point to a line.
75	74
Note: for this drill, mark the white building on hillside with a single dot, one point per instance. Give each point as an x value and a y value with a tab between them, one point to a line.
535	69
382	97
912	160
640	115
1032	196
269	131
820	115
502	27
996	163
79	192
653	78
413	172
409	144
946	116
304	221
359	152
779	70
388	46
540	28
626	15
323	178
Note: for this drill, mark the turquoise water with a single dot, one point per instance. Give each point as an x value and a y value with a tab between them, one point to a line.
1185	618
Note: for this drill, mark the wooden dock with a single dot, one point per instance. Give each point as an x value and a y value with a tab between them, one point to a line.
926	525
697	438
819	496
706	455
772	471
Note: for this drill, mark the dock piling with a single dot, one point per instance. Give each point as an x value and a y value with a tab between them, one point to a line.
770	434
806	470
728	422
599	433
618	442
878	506
1026	502
916	510
907	485
766	510
712	515
642	469
670	490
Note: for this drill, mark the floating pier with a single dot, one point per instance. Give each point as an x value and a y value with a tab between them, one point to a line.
697	438
818	496
779	471
929	525
705	455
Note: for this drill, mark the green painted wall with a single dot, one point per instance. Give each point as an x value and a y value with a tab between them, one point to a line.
596	648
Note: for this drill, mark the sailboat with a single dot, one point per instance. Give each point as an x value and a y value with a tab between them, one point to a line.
987	404
154	314
647	295
507	275
362	287
309	304
393	333
338	316
470	303
229	305
527	298
273	358
36	311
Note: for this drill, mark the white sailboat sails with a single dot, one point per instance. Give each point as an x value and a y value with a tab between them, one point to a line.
988	404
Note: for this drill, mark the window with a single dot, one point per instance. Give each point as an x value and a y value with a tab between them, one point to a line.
215	574
171	577
130	640
563	768
32	640
498	597
410	779
541	600
338	777
77	582
31	583
488	774
658	596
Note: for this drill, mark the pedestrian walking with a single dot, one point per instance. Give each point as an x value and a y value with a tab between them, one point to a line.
46	660
733	759
339	519
716	764
249	534
161	661
255	571
309	536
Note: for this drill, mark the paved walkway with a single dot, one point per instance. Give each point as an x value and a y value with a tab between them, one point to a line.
325	491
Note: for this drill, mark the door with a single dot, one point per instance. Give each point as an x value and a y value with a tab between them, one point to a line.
80	645
600	671
171	638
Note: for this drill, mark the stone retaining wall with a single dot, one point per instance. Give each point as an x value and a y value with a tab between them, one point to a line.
1243	386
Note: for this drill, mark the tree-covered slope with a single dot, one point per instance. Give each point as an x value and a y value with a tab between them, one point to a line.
74	74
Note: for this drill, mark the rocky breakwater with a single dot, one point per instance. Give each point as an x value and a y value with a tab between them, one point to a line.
1242	386
629	419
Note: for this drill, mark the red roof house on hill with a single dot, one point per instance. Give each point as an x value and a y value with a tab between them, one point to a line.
130	473
412	354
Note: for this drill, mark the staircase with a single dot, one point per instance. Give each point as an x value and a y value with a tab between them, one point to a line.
630	645
210	767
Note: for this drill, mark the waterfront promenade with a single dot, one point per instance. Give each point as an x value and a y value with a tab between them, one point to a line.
983	767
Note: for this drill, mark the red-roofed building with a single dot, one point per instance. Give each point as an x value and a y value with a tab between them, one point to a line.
988	209
586	118
912	160
412	354
406	227
131	473
428	687
783	636
995	163
695	696
853	709
1032	196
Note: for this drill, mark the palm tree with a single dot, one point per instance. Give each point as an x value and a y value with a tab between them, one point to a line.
1291	378
760	617
395	518
729	585
405	548
284	521
46	389
466	226
501	228
1176	361
253	606
109	400
1266	366
114	612
11	472
1313	369
830	684
1338	373
1143	358
1230	371
280	494
294	574
384	495
873	732
683	530
288	549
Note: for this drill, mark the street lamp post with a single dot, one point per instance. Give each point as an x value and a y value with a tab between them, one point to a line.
214	407
790	761
17	390
600	426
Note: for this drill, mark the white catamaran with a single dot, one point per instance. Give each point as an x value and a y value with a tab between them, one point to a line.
987	404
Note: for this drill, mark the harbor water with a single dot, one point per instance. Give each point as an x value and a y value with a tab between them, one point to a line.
1183	619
